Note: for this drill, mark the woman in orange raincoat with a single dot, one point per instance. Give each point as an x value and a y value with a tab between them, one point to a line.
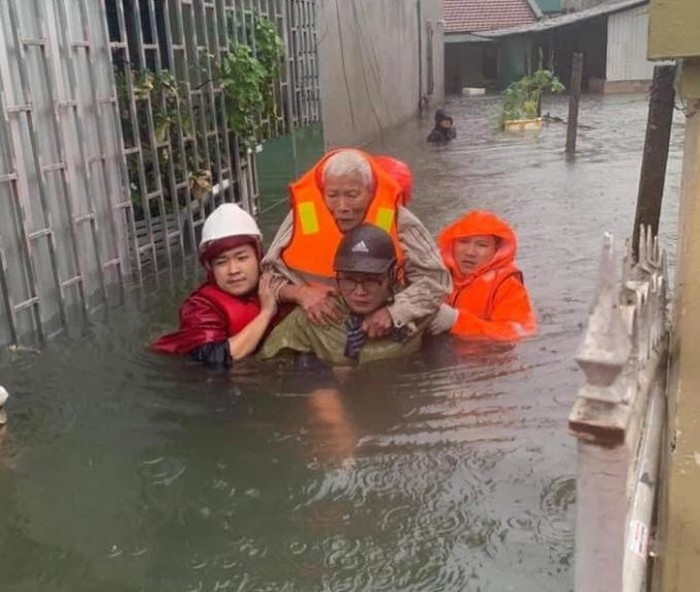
488	299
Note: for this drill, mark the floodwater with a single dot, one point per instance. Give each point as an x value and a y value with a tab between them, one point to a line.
451	471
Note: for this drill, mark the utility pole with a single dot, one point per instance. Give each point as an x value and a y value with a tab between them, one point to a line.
653	174
574	96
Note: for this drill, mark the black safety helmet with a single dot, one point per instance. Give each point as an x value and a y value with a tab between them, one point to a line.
365	249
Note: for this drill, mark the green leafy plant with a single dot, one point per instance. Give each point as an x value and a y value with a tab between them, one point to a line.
248	79
269	49
242	76
248	76
521	100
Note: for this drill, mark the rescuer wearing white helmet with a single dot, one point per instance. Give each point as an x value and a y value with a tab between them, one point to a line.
227	316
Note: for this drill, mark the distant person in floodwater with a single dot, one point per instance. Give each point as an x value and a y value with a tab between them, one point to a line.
444	129
488	299
225	318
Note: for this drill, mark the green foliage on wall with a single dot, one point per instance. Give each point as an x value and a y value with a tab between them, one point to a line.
248	75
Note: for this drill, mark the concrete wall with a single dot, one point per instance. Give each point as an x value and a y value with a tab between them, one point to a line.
678	532
370	74
627	46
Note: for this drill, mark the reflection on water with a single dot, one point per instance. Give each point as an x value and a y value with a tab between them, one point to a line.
451	471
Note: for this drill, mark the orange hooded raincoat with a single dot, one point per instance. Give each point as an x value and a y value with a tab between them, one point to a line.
492	302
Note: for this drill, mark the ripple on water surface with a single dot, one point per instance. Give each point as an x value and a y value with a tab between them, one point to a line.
451	471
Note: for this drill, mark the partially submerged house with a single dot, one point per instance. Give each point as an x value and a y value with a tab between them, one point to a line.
472	60
612	37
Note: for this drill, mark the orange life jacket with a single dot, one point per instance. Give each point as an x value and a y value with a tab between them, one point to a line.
479	295
492	301
315	234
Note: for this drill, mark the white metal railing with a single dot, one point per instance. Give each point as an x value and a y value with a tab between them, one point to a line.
618	417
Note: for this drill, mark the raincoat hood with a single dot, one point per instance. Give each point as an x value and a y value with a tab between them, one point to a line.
474	223
441	114
400	172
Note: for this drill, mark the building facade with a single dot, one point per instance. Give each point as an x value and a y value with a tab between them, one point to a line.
379	63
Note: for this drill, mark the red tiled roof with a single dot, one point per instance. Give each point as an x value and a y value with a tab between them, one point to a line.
466	16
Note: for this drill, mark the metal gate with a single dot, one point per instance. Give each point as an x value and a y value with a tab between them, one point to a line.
115	143
60	187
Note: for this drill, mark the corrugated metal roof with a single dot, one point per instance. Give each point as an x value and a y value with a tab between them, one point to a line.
468	16
566	19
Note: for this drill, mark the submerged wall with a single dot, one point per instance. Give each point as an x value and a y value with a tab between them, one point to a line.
376	61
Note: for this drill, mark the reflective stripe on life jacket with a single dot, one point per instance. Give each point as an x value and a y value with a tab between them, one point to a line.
315	234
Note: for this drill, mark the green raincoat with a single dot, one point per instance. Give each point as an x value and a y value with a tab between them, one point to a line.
296	334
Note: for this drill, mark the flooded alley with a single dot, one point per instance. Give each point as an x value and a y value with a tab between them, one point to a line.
452	471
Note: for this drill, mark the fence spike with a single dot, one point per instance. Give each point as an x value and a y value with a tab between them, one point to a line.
606	345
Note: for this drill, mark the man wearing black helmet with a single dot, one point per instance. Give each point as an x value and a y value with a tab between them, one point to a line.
366	276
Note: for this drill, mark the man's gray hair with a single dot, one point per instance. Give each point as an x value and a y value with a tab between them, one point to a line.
349	162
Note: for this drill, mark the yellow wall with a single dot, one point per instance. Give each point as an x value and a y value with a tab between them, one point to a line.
674	33
689	84
673	30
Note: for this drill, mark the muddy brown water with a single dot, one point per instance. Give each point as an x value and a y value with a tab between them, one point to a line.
450	471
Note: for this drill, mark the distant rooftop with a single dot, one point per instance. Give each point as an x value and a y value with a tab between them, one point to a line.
566	19
467	16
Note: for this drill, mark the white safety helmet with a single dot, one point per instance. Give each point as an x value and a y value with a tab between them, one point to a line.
228	220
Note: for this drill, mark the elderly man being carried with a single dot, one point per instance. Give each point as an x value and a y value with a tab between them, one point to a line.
343	190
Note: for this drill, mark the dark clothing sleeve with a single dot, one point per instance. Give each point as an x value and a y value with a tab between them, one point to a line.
435	136
440	134
215	355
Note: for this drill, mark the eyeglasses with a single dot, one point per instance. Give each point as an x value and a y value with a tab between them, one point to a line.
369	284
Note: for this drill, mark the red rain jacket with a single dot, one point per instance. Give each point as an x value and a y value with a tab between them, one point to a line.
492	302
401	173
208	315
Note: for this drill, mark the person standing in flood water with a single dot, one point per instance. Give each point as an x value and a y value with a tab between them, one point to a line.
444	129
489	299
227	316
366	270
343	190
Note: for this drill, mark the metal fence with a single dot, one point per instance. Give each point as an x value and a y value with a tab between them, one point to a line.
60	188
115	140
618	418
178	144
